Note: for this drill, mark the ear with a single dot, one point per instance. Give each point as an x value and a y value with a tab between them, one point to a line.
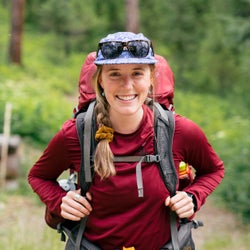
100	81
150	89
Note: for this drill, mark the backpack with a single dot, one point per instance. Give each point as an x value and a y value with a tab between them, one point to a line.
163	93
164	129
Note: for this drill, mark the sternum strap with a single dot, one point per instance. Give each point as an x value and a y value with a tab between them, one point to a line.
139	160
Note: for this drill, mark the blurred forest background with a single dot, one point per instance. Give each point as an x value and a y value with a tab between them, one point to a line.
43	44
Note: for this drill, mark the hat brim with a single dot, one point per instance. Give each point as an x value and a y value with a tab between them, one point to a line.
126	61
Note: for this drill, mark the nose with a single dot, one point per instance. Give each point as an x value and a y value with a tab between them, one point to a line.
127	82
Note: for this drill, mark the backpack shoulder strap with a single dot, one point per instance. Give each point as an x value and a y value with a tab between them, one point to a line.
165	125
164	129
86	125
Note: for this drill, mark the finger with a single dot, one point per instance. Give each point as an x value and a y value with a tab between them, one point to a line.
180	195
81	200
74	206
181	201
182	204
185	215
185	211
167	201
73	210
70	213
70	206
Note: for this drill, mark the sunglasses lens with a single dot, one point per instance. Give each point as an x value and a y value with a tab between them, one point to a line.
138	49
111	50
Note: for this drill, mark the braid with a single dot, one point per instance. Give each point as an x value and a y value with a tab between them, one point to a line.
103	159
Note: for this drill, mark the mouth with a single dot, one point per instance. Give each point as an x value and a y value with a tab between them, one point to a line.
126	97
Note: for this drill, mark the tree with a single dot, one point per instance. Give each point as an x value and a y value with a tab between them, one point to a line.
17	20
132	15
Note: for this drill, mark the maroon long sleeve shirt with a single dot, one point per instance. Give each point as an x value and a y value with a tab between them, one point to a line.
119	217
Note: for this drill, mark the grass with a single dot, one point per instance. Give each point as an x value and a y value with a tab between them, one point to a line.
222	229
22	226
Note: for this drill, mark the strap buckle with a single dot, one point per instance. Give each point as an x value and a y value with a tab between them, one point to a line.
152	158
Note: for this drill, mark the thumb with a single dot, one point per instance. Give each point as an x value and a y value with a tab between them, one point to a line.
89	196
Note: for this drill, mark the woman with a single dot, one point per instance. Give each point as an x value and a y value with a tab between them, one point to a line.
117	217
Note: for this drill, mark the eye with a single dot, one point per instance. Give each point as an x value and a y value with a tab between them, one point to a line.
138	73
114	74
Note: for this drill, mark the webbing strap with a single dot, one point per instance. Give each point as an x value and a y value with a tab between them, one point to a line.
80	233
137	158
139	181
174	230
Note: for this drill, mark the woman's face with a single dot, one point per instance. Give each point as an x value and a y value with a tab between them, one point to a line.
125	87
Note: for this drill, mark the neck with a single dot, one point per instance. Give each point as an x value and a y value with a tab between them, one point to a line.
127	124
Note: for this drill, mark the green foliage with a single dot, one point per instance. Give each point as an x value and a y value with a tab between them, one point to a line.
37	110
76	23
40	92
236	144
228	131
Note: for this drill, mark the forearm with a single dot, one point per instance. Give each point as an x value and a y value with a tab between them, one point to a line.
203	185
49	192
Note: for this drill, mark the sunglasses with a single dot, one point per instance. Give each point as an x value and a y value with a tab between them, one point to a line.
137	48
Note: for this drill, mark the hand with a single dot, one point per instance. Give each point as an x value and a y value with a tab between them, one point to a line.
74	206
182	204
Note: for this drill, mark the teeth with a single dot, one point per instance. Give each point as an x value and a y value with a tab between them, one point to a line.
126	98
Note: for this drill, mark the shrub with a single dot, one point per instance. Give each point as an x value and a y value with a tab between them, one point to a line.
228	131
36	112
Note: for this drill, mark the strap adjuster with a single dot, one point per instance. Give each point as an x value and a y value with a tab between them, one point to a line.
152	158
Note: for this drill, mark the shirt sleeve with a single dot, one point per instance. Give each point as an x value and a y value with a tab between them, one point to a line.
55	159
191	146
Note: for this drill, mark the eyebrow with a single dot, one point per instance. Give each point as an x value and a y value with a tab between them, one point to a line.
139	68
135	68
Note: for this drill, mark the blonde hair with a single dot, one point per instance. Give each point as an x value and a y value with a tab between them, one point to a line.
104	158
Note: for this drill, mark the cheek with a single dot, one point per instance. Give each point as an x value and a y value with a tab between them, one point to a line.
145	85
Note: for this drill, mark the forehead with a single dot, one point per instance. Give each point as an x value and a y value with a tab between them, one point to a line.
125	67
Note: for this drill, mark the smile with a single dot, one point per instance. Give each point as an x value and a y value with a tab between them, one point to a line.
127	97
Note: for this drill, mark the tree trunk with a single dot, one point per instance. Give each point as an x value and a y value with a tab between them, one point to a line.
17	20
132	15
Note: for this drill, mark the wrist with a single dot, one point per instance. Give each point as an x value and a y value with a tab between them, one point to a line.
194	201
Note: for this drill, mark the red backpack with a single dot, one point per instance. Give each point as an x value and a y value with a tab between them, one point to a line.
163	90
